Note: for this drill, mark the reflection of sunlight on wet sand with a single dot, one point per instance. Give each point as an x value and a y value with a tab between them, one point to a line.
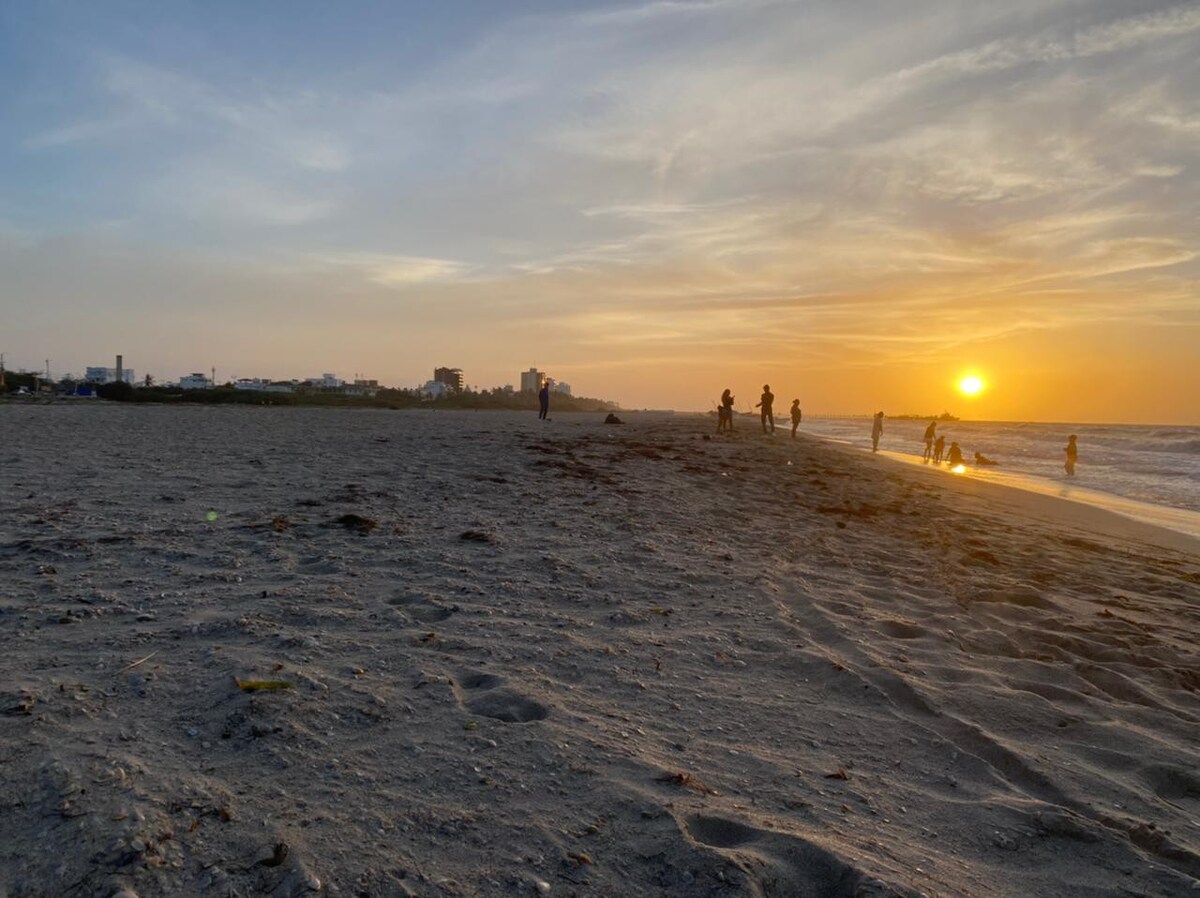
1180	520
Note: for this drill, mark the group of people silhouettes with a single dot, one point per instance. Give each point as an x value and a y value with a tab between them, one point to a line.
766	404
935	444
936	452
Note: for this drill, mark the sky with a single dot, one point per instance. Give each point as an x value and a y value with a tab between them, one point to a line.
856	202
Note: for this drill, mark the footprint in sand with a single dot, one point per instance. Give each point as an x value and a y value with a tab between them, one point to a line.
778	863
508	706
495	702
422	609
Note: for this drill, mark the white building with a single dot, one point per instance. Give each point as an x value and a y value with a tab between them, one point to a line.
326	382
434	389
101	375
195	381
262	385
561	387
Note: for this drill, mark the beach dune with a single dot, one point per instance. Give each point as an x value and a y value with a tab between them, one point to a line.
370	653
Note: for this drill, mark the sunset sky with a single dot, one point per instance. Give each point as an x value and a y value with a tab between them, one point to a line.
859	202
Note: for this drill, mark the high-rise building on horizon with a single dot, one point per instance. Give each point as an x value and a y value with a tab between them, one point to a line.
532	380
451	377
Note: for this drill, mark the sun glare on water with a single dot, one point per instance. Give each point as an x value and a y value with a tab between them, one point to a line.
971	385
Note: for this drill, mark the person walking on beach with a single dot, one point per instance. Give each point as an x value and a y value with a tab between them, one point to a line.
767	401
930	435
876	431
796	416
544	399
725	412
1072	454
939	448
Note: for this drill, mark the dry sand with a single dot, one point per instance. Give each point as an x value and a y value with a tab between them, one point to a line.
572	659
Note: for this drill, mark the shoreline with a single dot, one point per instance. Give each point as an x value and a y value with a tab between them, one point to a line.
1117	515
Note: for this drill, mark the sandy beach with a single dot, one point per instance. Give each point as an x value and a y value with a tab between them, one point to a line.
562	658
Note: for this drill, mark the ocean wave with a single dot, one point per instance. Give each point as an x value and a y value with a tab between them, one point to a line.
1186	447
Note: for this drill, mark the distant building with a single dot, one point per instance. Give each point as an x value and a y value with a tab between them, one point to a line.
195	381
101	375
451	377
532	380
325	382
561	387
262	385
434	389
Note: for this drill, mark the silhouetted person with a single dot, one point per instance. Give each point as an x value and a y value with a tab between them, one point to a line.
796	416
930	434
876	431
725	412
544	400
768	399
1072	454
954	457
939	448
981	459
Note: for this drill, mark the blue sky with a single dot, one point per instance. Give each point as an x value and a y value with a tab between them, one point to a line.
857	199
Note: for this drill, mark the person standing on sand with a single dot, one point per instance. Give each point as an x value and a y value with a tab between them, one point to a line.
930	435
1072	454
767	401
796	416
725	412
544	400
876	431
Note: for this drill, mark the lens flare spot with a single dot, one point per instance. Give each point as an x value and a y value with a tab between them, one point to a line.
959	469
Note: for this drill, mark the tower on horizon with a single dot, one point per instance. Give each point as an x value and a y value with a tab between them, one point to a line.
532	380
451	377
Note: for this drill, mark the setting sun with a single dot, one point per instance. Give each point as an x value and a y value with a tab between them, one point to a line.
970	386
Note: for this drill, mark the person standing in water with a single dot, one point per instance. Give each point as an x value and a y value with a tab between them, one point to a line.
930	436
768	416
876	431
796	416
1072	454
939	448
544	399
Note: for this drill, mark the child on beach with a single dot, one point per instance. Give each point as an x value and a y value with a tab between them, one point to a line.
1072	454
939	449
796	416
876	431
954	457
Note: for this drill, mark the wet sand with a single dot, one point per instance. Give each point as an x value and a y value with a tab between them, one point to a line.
567	658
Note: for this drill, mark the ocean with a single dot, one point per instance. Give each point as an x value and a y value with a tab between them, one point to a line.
1151	473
